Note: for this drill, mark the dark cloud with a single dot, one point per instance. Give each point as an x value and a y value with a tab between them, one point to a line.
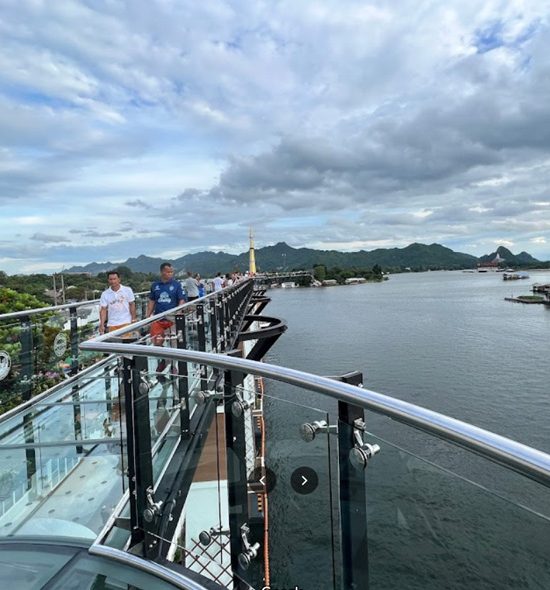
139	203
49	239
95	234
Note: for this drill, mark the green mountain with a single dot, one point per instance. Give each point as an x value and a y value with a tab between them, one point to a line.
281	256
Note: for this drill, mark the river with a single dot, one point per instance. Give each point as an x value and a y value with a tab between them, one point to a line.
447	341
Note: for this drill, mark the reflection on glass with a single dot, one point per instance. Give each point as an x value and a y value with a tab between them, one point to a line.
300	522
61	466
428	529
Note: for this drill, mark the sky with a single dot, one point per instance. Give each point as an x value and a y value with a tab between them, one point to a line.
165	127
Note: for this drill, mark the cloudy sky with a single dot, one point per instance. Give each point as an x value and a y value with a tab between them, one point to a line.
163	127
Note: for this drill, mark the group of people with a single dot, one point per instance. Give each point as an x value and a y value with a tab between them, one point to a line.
117	307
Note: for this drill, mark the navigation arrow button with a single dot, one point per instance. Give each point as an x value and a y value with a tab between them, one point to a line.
304	480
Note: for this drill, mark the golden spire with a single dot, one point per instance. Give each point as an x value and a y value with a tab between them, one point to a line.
252	256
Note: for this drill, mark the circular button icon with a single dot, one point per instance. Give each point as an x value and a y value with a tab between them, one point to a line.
263	478
304	480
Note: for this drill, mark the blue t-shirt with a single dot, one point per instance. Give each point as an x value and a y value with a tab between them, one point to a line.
166	295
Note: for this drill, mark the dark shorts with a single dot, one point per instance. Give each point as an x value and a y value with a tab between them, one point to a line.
159	327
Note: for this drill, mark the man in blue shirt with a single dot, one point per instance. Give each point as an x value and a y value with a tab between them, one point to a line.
164	295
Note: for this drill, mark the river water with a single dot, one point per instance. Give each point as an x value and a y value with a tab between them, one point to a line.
447	341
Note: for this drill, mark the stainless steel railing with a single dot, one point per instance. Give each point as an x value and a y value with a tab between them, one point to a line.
521	458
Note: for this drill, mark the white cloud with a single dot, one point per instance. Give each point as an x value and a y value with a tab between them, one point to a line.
338	123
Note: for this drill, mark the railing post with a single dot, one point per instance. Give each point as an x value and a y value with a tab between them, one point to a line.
30	452
353	498
220	302
201	334
183	378
236	475
143	308
140	468
213	325
27	358
77	417
74	341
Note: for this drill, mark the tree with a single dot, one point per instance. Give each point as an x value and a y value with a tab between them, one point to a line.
320	272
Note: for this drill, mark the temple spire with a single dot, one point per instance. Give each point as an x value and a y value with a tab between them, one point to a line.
252	256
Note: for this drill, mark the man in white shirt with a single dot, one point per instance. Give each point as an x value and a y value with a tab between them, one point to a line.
218	282
117	306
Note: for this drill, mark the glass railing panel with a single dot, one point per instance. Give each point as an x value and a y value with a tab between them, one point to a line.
302	483
192	328
15	382
68	445
302	513
203	539
429	528
65	490
51	349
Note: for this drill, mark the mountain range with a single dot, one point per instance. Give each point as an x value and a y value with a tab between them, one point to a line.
281	256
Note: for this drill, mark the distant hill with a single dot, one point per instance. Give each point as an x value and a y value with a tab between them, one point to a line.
521	259
281	256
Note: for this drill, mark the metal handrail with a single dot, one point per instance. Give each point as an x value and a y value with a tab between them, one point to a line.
521	458
38	310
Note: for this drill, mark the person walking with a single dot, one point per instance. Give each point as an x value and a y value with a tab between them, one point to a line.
218	282
164	295
201	285
117	305
191	287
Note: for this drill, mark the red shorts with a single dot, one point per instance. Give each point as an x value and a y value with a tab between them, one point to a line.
158	328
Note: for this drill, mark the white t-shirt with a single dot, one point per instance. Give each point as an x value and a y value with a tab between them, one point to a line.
218	283
118	305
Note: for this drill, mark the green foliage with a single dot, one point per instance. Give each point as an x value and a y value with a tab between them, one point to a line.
47	369
341	274
320	272
78	287
11	301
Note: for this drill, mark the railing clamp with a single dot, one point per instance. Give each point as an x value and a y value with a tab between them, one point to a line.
239	407
309	430
206	537
203	396
144	385
362	452
250	551
153	508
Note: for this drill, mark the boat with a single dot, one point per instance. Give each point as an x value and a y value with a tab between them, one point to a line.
515	275
161	467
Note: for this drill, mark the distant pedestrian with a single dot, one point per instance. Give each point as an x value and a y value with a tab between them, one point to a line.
117	305
201	285
192	287
218	282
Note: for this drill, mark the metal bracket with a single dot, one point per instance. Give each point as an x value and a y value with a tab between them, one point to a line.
206	537
309	430
250	551
362	452
153	508
203	396
240	405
